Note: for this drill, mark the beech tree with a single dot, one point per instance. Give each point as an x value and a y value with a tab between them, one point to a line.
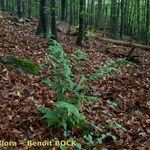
3	5
53	19
63	9
81	23
113	19
148	22
19	8
44	27
100	15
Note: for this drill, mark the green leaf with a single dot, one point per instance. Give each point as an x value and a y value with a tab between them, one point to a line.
79	146
43	109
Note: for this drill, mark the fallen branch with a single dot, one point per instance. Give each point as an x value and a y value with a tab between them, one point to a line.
127	44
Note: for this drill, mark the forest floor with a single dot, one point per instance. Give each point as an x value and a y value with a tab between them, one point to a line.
20	94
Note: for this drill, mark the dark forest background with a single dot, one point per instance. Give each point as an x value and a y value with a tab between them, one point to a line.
114	18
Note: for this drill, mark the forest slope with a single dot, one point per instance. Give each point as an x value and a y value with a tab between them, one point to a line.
22	93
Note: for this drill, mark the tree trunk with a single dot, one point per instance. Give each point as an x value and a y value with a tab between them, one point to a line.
29	8
138	19
113	21
3	6
81	23
44	28
148	22
63	9
53	19
122	19
19	8
71	13
91	13
100	15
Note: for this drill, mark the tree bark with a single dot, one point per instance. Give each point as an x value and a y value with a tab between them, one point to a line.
44	27
100	15
3	6
122	19
81	23
63	9
113	20
53	19
29	8
19	8
148	22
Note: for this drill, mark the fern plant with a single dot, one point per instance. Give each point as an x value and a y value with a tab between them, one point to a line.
62	80
70	95
64	115
79	59
109	69
80	55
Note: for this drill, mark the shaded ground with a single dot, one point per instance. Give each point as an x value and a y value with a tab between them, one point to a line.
19	120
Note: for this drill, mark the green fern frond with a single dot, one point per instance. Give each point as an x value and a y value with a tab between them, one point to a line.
109	69
71	109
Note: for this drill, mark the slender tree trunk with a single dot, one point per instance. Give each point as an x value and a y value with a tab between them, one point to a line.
71	12
91	13
113	21
138	19
7	5
100	15
19	8
126	16
88	12
24	7
122	19
3	8
29	8
63	9
53	19
81	23
148	22
44	28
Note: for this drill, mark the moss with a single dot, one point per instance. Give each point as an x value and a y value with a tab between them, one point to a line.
24	64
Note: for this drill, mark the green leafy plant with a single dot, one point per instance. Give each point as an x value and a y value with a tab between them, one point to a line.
112	103
106	135
79	59
109	69
62	80
63	115
80	55
70	95
89	138
88	35
24	64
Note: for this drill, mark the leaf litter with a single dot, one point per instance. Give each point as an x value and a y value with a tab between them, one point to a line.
21	94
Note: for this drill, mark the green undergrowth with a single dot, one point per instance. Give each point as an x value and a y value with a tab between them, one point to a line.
25	65
79	59
111	68
72	95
